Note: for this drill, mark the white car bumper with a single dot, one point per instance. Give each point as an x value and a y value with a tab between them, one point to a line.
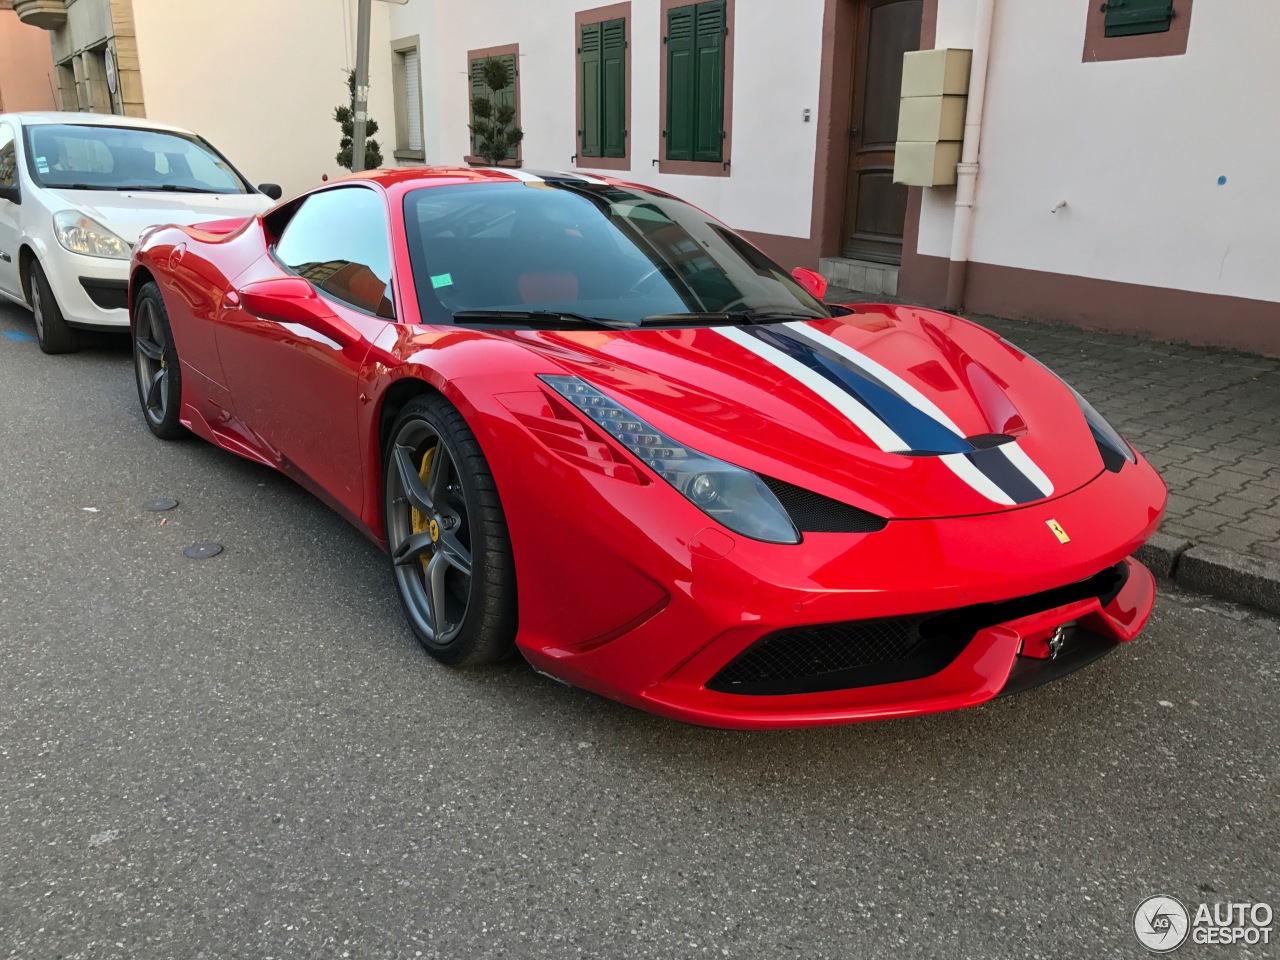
91	291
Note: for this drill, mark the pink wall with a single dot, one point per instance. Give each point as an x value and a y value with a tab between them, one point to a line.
26	65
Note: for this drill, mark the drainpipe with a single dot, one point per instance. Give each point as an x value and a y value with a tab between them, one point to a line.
967	171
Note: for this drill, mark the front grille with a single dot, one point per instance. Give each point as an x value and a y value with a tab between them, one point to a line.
862	653
813	513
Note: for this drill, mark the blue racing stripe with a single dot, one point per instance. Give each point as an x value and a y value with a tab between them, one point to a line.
919	430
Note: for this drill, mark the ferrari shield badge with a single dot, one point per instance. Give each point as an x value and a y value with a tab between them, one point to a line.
1058	532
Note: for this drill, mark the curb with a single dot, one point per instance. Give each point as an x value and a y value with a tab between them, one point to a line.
1212	570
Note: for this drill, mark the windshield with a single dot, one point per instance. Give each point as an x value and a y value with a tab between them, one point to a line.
78	157
595	251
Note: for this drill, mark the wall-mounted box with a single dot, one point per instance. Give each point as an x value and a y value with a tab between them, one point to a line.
926	164
936	73
932	118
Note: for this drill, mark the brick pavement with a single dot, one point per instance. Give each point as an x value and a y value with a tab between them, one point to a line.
1207	419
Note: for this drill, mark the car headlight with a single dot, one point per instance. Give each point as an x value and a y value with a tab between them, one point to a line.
1115	451
730	495
84	235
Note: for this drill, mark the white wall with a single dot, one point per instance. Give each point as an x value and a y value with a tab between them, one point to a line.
777	65
1135	148
260	80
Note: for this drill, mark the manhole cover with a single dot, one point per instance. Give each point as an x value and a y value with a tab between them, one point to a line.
202	551
158	504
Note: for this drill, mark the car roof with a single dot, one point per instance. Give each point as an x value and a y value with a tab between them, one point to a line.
439	176
89	120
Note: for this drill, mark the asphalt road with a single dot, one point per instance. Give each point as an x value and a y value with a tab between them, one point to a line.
250	757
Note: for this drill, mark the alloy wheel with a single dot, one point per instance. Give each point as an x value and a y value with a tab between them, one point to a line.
37	307
429	532
149	356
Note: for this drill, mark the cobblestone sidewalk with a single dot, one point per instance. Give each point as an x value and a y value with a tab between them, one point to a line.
1207	419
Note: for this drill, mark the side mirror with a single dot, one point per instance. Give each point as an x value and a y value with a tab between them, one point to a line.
272	190
294	300
813	282
11	193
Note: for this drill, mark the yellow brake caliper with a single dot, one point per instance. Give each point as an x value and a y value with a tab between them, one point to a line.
419	522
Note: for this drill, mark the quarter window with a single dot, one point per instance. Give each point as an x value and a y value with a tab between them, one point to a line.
338	240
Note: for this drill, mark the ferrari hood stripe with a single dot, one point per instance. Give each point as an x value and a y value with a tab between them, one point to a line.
861	417
895	415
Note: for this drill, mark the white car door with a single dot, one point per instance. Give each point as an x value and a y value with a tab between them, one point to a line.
10	212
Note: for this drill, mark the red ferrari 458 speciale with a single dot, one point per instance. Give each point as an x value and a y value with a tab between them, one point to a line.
592	424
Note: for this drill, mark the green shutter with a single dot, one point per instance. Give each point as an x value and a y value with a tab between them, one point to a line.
509	95
709	119
589	64
681	83
478	89
613	101
1125	18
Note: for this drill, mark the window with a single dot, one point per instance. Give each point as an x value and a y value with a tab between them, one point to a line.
1135	29
338	240
696	78
604	78
8	157
510	95
407	83
1126	18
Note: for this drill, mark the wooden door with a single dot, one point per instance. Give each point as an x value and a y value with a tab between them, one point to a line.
875	207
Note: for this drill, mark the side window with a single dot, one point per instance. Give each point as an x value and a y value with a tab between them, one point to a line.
339	241
8	157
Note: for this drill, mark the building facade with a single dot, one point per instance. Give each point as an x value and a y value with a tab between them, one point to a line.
26	68
1120	181
258	78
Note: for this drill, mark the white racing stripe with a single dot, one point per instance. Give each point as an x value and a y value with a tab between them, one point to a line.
1018	457
585	178
966	471
961	466
886	376
862	418
513	172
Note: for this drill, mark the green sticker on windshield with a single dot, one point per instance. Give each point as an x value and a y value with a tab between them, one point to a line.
442	280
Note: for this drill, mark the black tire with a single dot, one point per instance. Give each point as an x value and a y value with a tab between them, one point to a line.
432	523
52	331
155	365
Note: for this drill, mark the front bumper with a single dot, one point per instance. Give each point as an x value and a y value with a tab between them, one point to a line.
88	289
736	592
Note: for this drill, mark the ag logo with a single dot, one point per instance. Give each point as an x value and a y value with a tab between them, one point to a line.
1058	532
1161	924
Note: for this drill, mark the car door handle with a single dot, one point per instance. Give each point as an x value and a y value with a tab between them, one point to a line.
231	298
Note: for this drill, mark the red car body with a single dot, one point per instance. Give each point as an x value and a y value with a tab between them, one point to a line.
625	587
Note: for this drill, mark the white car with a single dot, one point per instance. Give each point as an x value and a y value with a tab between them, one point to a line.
77	189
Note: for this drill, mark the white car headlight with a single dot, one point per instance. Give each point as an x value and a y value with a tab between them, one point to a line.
84	235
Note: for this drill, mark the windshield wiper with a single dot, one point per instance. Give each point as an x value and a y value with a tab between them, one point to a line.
74	186
536	318
166	188
726	319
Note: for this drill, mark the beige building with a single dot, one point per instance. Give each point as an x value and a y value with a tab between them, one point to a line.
26	69
258	78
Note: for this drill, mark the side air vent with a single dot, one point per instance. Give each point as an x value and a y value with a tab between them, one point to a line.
813	513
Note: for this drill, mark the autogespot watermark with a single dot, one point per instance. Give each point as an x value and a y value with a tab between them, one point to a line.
1163	923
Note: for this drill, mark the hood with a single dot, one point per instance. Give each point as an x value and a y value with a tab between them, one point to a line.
127	214
904	412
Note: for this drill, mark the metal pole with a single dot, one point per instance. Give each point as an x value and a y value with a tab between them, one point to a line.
362	83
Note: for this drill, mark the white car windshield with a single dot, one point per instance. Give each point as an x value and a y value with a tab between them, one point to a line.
82	157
